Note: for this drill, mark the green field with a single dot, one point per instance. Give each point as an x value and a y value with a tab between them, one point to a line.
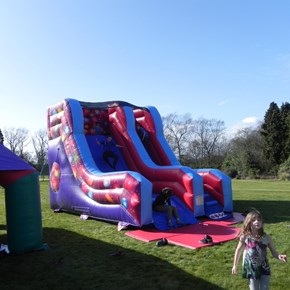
79	252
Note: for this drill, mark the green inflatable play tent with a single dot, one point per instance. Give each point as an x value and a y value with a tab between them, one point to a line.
22	202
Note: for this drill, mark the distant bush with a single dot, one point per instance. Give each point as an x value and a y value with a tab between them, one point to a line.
284	170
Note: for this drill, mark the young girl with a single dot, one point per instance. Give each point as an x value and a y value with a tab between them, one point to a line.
254	241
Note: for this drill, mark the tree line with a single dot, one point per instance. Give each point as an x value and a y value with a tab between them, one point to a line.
263	151
31	147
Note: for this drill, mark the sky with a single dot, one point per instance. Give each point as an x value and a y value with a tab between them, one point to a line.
216	59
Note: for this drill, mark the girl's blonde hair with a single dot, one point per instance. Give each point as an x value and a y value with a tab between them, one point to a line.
246	228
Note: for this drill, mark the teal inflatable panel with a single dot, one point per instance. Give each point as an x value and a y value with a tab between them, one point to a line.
23	214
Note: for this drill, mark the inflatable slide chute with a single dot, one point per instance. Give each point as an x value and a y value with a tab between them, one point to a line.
82	182
186	184
217	188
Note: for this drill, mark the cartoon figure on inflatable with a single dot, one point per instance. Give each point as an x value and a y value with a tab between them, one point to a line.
82	182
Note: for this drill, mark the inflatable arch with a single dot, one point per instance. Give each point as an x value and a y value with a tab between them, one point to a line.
22	202
81	182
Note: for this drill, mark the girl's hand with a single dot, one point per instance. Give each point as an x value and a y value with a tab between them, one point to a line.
234	270
282	258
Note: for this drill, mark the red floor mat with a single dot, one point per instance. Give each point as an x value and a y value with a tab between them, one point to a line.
190	239
190	235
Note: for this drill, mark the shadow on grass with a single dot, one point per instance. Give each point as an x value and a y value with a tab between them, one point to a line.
273	211
78	262
3	227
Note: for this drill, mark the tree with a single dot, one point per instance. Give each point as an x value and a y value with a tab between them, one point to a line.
40	145
284	170
208	141
196	143
245	154
1	137
177	129
285	116
274	133
18	141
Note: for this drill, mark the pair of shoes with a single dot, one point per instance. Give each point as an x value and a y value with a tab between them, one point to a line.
206	240
179	222
162	242
169	223
117	254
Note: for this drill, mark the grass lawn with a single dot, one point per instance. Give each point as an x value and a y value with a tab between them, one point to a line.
79	252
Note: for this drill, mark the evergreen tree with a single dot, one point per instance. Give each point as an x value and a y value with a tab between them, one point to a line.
285	116
273	136
1	137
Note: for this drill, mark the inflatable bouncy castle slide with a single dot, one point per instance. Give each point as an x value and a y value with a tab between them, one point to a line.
84	181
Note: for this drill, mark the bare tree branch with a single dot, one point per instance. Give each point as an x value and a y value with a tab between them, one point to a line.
17	140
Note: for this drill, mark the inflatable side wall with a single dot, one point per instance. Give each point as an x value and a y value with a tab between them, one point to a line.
78	185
